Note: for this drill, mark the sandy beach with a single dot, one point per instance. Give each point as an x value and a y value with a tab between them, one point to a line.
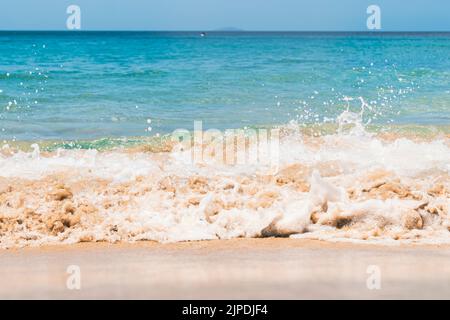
227	269
224	164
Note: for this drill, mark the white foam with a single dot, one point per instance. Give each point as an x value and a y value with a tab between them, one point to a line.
336	163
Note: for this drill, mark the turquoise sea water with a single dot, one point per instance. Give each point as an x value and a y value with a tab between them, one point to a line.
89	85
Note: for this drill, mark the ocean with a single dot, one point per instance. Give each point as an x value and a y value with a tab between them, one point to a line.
339	136
91	85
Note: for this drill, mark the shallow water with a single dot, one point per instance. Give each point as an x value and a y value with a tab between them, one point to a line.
94	85
357	145
351	186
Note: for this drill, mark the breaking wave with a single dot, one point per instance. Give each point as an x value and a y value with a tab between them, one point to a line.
349	185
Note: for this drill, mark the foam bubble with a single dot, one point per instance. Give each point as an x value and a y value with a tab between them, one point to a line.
351	186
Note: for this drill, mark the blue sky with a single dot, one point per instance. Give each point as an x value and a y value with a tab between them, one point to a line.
301	15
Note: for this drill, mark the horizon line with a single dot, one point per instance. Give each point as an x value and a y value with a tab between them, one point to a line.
232	31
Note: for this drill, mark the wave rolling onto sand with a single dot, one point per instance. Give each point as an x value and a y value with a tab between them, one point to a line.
351	185
380	174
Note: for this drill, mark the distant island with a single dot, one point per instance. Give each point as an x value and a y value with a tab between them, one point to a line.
229	29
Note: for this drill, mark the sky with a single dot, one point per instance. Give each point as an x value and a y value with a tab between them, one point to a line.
250	15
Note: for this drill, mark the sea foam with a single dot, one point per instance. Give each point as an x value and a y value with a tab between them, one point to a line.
348	186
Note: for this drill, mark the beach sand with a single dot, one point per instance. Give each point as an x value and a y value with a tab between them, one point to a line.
227	269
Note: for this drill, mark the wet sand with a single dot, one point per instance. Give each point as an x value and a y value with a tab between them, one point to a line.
227	269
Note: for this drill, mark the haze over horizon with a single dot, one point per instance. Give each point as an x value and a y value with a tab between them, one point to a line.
210	15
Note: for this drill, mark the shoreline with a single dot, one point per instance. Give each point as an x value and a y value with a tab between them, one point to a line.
162	142
327	187
224	244
270	268
268	242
